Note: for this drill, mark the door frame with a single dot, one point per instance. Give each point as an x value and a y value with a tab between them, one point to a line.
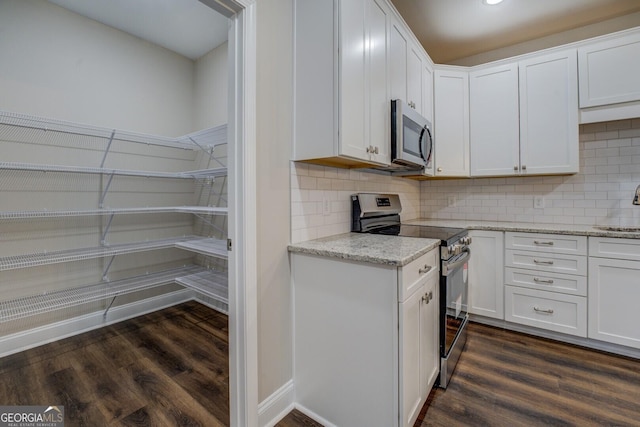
243	302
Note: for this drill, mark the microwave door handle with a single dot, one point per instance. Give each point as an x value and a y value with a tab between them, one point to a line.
424	129
428	159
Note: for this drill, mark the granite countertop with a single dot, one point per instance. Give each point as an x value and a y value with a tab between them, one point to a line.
580	230
373	248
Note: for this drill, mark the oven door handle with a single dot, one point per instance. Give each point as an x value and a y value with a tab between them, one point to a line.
450	267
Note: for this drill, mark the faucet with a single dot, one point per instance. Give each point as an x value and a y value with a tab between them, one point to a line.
636	200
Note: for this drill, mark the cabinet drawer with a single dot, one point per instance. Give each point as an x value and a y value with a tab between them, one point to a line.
605	247
412	275
552	243
545	281
546	310
558	263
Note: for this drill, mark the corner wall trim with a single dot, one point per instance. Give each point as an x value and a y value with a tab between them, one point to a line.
314	416
276	406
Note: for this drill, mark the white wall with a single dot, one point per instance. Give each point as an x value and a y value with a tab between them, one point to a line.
274	115
211	88
58	64
601	193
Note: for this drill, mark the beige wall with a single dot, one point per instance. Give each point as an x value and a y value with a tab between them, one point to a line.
274	114
211	87
58	64
577	34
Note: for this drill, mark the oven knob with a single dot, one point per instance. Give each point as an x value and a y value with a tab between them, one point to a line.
466	240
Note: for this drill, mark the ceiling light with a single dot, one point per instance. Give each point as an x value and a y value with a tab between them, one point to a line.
491	2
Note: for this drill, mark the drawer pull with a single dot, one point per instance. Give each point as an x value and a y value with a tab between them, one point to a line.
425	269
537	261
427	297
542	310
538	280
541	242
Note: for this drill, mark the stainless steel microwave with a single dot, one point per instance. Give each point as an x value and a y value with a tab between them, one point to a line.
411	138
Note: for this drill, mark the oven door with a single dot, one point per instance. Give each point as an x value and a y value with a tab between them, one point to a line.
453	312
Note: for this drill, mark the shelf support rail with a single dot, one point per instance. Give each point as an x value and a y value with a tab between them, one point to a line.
106	190
105	276
106	150
104	315
209	151
211	224
103	239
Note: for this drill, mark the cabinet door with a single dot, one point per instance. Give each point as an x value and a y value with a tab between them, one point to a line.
429	339
486	274
353	86
427	88
614	292
419	348
609	71
378	104
451	128
414	79
494	121
549	114
411	385
398	45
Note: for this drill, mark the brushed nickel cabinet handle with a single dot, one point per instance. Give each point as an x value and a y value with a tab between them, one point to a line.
541	242
375	150
542	310
524	167
515	168
548	282
537	261
427	297
425	269
439	169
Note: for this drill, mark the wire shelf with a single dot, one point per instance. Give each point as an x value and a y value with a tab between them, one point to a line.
194	141
213	284
203	210
210	247
204	173
40	304
33	260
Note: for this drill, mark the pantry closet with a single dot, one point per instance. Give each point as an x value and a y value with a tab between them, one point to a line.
113	175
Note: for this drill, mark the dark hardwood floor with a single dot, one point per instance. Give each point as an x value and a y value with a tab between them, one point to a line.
170	368
510	379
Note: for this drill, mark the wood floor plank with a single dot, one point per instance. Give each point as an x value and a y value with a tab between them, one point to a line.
505	378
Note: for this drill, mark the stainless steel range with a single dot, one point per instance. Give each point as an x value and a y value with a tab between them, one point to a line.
380	214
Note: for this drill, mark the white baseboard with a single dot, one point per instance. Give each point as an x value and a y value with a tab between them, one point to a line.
314	416
276	406
35	337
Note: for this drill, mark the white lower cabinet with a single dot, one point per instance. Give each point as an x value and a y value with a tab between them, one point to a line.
614	290
365	338
548	310
418	348
486	268
545	285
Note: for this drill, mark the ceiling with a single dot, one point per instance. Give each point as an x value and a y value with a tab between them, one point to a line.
454	29
187	27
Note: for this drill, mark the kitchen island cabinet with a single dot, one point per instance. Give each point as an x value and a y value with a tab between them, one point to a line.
365	334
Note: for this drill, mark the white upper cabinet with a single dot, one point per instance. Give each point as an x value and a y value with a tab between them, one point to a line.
427	90
398	48
341	94
549	113
407	67
451	124
610	71
494	121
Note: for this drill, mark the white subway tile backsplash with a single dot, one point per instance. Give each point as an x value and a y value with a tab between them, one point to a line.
600	194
